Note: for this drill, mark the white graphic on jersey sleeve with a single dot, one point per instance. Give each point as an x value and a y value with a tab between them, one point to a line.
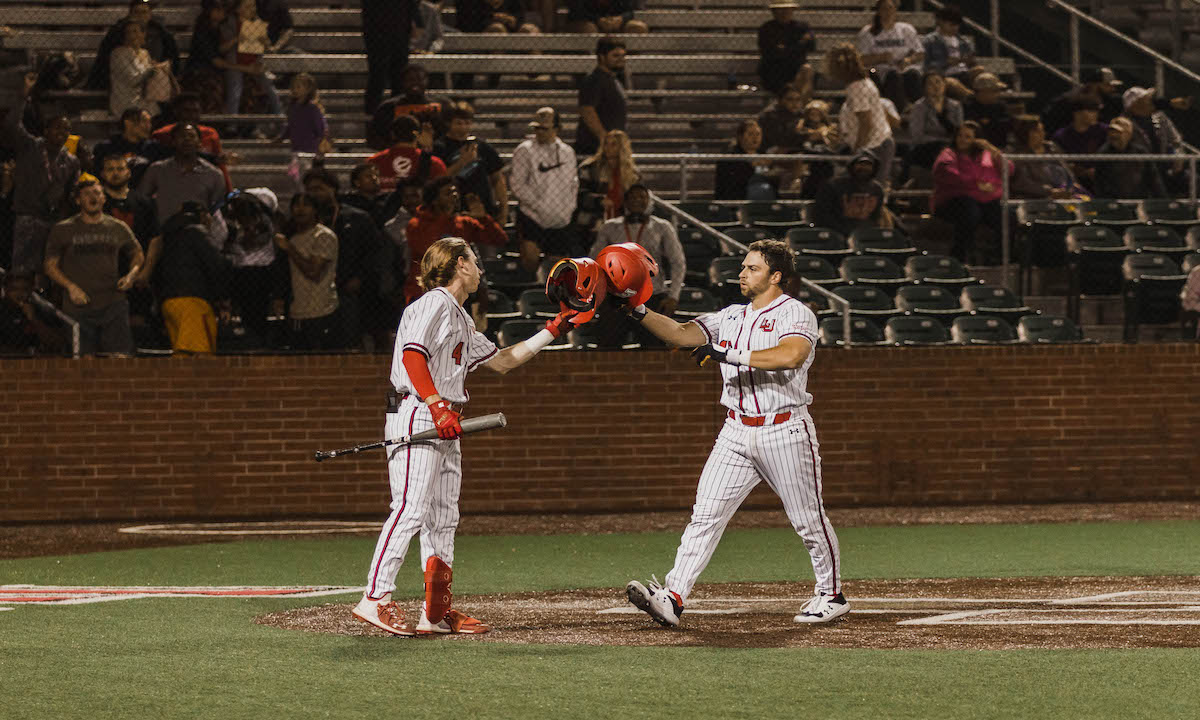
802	322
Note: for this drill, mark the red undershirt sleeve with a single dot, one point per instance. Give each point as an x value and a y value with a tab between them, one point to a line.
418	371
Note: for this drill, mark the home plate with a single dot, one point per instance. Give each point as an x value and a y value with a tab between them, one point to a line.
630	610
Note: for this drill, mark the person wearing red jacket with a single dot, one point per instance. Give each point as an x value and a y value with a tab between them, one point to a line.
436	218
967	187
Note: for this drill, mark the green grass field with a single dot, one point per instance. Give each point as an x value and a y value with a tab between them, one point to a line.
206	658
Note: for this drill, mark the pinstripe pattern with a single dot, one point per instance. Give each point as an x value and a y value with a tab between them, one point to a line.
426	477
435	325
762	392
786	455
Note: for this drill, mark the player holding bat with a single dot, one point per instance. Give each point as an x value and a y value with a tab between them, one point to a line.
436	346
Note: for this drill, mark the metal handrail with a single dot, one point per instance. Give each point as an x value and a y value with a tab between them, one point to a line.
46	305
994	36
725	240
1161	60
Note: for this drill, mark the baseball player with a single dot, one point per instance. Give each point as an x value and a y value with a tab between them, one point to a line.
436	346
764	348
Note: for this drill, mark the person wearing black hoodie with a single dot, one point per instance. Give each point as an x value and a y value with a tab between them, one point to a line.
853	199
189	279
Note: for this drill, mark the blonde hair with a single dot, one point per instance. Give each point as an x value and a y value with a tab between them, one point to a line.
313	94
844	63
820	106
629	170
440	262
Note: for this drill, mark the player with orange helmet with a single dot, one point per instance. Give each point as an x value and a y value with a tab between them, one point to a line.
577	284
630	271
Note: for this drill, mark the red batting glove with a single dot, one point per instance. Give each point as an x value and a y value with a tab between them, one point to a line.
445	420
561	322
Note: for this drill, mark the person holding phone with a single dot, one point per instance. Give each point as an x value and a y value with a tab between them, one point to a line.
473	163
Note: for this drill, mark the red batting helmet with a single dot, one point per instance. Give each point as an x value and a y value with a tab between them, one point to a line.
630	271
577	284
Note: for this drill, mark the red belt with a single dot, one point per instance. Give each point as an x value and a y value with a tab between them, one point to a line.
760	421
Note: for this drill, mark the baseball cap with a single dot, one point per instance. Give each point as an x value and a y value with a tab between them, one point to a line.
1134	94
988	81
543	119
1101	75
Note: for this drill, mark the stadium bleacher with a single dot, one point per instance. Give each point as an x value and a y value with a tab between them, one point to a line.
689	82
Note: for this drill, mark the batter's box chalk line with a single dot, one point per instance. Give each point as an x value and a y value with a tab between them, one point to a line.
290	527
87	594
1131	607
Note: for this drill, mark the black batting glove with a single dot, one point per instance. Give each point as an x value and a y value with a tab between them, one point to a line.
705	353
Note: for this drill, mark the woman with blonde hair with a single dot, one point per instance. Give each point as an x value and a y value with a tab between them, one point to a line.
862	122
604	178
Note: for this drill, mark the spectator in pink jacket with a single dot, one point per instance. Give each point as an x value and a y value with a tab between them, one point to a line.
967	187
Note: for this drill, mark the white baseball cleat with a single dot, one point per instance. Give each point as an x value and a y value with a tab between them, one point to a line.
823	608
383	614
656	601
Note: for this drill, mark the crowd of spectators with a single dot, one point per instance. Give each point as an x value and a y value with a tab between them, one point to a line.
148	231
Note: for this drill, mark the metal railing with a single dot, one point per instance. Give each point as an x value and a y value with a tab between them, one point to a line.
993	35
70	322
728	242
1160	61
48	307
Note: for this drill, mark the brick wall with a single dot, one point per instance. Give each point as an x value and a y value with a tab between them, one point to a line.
234	437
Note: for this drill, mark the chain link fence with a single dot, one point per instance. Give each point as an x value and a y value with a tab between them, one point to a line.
303	141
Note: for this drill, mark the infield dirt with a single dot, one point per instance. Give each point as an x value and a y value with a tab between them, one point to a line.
1021	613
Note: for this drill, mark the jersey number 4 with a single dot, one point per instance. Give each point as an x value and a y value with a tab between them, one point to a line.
457	354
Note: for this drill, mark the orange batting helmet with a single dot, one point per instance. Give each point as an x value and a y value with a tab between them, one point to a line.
577	284
630	271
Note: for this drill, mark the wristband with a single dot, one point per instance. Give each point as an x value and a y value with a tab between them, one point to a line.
638	313
540	340
737	357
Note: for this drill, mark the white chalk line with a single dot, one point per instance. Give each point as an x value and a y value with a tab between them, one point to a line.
631	610
89	594
300	527
1137	610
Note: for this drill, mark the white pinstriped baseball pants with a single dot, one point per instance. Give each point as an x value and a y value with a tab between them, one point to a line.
426	478
787	457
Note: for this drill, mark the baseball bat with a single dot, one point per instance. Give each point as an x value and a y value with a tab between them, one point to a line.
469	425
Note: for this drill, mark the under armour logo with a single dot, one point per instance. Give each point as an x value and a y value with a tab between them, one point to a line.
793	432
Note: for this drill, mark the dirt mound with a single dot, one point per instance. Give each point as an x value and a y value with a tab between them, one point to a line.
949	614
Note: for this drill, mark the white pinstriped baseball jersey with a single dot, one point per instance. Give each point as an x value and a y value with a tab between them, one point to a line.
440	329
759	392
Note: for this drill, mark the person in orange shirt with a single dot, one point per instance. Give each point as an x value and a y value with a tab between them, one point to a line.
437	218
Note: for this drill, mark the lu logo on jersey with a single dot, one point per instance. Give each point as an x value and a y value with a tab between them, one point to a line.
767	325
